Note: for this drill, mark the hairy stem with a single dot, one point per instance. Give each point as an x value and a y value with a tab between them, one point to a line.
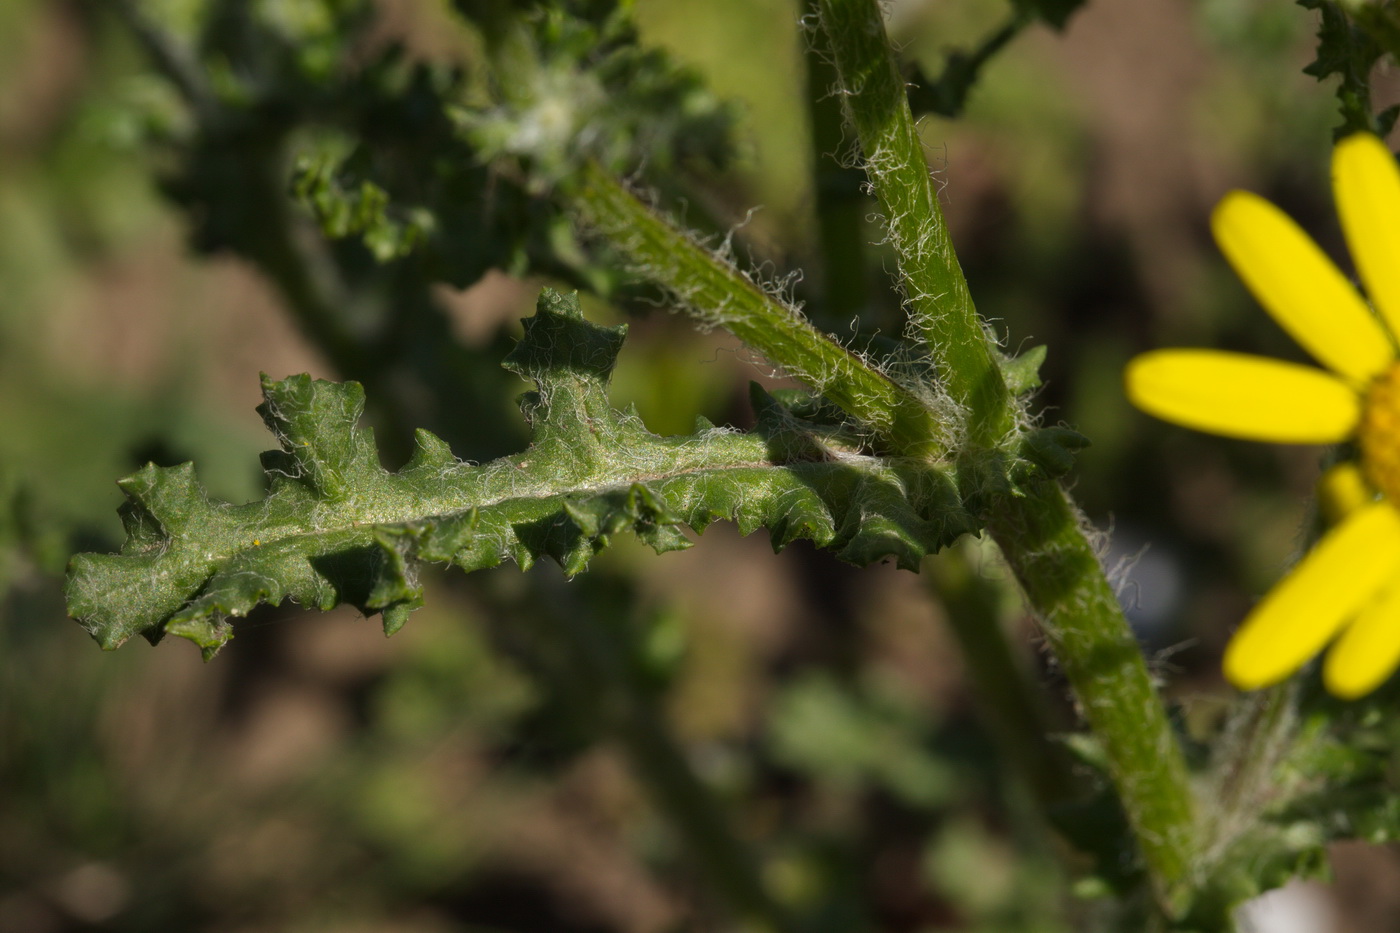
941	309
717	293
1039	532
1084	626
1259	735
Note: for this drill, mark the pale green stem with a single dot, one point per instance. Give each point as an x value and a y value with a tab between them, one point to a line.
1039	531
1039	534
717	293
1042	538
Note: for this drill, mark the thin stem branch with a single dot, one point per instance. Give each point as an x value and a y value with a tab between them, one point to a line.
1014	708
1258	736
947	95
717	293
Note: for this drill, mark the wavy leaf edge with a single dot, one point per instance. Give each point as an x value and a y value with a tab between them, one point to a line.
336	527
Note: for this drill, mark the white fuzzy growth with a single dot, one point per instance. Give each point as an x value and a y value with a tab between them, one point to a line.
714	304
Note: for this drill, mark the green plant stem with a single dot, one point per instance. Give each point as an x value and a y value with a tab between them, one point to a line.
1084	626
717	293
1259	735
1039	531
1040	535
940	306
1014	709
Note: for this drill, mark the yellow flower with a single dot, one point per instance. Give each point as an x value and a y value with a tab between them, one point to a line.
1347	588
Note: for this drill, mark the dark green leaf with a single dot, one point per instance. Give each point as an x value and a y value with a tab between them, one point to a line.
1349	51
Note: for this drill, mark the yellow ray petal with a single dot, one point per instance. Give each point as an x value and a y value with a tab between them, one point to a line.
1243	396
1302	613
1343	489
1300	286
1368	651
1367	187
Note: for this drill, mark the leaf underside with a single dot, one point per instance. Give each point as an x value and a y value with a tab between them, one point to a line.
336	527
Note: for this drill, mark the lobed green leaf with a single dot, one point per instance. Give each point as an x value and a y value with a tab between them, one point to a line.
1349	44
336	527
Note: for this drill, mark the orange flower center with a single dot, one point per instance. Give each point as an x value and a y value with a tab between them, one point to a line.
1380	434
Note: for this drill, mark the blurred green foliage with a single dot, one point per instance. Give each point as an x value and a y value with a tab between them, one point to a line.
488	769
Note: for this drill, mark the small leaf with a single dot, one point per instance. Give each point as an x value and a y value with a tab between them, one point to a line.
1022	373
1053	449
1349	50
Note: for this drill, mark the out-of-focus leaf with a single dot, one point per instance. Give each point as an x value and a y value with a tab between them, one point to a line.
1054	12
1349	49
947	93
844	737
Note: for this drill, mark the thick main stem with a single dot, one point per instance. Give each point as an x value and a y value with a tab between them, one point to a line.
940	307
1084	626
1038	531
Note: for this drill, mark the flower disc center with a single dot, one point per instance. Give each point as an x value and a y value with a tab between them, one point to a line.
1380	434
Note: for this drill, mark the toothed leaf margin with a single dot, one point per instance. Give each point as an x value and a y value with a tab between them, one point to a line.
337	528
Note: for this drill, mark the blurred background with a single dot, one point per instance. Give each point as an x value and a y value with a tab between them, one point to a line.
469	774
